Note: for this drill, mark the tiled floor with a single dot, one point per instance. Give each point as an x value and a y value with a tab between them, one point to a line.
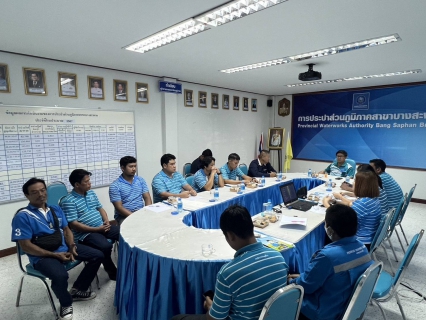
35	305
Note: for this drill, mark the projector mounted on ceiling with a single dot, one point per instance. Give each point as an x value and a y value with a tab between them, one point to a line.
310	75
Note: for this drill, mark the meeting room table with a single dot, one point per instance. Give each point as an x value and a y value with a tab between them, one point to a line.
162	270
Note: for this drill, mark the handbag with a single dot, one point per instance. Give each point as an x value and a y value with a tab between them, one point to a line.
50	242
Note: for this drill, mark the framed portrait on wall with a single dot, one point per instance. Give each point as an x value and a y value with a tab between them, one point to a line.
96	87
4	78
275	138
188	98
202	99
236	104
120	90
142	92
254	105
225	101
67	83
215	101
245	104
35	82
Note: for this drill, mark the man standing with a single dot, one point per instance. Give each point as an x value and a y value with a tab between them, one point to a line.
340	167
245	283
30	227
230	171
392	188
129	192
88	220
261	167
208	176
196	164
169	183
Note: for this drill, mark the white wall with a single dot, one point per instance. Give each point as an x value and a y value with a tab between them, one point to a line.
197	128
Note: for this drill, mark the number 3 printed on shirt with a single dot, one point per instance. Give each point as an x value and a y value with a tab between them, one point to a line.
18	232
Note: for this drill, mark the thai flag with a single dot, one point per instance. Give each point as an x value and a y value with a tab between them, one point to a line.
260	143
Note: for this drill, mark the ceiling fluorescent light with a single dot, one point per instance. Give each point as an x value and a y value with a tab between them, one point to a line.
177	32
381	75
234	10
324	52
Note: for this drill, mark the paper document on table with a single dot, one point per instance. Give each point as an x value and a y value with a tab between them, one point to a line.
158	207
286	220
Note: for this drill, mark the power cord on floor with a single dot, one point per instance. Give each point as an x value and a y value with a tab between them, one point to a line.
411	289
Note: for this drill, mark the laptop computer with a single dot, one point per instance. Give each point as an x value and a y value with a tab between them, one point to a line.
288	193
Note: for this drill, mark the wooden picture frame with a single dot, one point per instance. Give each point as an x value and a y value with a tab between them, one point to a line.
225	101
276	138
4	78
142	93
120	90
35	81
67	85
254	105
95	86
245	104
188	97
236	103
215	101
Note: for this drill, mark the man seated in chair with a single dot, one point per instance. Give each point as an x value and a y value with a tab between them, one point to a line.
88	220
340	167
43	234
208	177
245	283
261	167
231	171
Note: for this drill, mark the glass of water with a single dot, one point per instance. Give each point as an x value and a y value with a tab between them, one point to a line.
207	249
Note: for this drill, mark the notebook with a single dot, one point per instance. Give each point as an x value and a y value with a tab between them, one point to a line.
288	193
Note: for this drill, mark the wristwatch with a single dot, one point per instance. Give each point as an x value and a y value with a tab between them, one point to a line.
219	173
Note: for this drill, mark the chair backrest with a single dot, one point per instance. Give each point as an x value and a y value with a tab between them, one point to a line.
382	230
352	163
395	217
362	292
55	191
243	168
20	253
407	258
186	168
406	203
284	304
190	179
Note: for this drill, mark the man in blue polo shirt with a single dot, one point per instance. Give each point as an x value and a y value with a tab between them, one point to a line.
393	190
129	192
88	220
169	183
208	177
30	224
245	283
231	172
340	167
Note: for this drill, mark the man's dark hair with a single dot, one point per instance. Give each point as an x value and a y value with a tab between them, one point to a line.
379	163
342	219
237	219
30	183
126	160
166	158
342	152
263	152
206	161
207	153
77	175
234	156
367	167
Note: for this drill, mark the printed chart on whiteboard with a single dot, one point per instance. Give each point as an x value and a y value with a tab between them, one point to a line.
49	143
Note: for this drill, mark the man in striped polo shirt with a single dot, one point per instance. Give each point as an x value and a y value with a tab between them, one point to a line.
129	192
230	171
88	220
393	190
169	183
245	283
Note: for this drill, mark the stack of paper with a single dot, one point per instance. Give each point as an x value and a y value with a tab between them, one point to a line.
286	220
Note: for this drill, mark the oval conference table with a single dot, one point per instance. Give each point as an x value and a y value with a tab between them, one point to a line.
161	269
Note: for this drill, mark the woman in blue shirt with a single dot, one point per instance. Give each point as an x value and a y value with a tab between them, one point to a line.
333	271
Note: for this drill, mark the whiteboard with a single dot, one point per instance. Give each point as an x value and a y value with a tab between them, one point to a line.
49	143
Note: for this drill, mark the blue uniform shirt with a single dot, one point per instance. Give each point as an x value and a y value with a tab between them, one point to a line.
130	194
200	180
245	283
393	190
369	214
83	209
163	183
330	278
335	170
229	174
31	222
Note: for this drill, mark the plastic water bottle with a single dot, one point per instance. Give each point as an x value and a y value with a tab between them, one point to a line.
280	175
216	194
347	179
329	186
263	180
309	173
243	188
269	206
179	205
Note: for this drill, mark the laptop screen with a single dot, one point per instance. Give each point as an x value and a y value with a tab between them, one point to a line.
288	192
